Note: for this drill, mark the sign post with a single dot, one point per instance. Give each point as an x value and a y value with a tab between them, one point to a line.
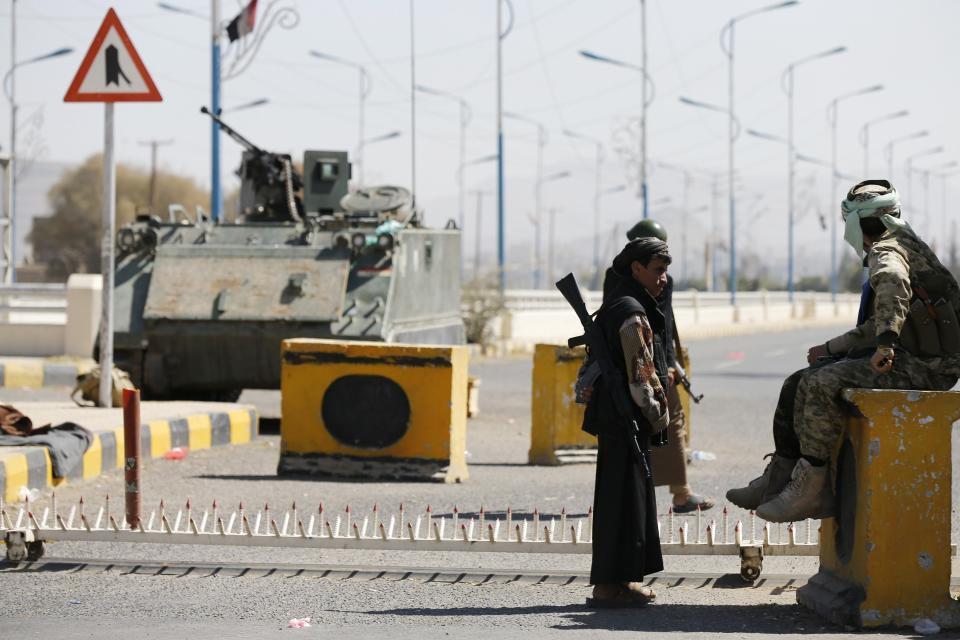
111	71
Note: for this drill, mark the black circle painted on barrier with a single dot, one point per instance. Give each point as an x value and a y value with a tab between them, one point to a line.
368	412
846	503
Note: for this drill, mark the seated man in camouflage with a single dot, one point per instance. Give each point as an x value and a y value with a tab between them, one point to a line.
906	338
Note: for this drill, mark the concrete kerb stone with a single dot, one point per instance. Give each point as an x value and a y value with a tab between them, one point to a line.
31	467
34	373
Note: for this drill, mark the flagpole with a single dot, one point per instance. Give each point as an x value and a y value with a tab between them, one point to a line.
216	196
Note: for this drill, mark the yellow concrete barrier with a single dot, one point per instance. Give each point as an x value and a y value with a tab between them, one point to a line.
372	410
885	558
555	418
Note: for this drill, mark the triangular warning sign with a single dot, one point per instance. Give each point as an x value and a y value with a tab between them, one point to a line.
112	71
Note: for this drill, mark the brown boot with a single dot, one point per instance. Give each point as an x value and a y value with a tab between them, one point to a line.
775	477
614	595
808	495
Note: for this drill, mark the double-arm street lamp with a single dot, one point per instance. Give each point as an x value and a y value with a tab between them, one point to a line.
598	176
727	43
10	89
833	112
646	100
364	86
465	116
865	137
787	83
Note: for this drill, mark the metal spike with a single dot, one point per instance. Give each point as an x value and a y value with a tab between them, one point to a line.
496	529
738	533
43	520
464	533
725	527
363	529
356	531
96	524
410	533
390	529
286	521
519	534
471	528
456	517
176	522
149	524
336	527
536	524
376	516
573	535
491	535
310	525
347	517
220	528
436	532
233	517
383	532
753	526
546	535
416	527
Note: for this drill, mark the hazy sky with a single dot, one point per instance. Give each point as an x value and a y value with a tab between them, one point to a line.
909	47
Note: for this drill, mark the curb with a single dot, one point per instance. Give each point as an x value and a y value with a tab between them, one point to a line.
34	374
30	466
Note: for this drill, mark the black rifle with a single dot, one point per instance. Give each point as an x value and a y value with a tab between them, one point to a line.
613	380
685	381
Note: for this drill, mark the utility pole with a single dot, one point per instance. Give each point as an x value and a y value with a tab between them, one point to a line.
153	144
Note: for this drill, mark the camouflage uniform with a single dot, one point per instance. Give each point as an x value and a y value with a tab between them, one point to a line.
898	262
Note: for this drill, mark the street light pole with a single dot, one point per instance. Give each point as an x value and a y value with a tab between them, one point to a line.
832	118
787	83
465	117
888	149
216	193
909	164
501	249
365	86
9	87
727	46
865	137
598	175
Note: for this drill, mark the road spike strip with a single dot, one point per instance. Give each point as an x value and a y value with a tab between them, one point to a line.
165	524
245	525
464	533
300	529
491	534
193	527
220	528
33	520
61	523
437	536
546	534
383	532
574	537
410	533
356	531
329	530
711	533
519	534
113	524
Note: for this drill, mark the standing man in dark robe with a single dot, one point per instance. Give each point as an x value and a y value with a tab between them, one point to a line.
626	540
669	461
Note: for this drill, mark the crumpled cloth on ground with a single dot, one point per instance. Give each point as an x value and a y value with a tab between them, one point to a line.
66	443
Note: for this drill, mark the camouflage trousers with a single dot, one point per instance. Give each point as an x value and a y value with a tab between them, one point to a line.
810	413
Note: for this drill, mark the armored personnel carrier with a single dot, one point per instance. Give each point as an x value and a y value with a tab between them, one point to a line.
201	307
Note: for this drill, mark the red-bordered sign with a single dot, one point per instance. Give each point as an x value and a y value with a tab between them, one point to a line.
112	71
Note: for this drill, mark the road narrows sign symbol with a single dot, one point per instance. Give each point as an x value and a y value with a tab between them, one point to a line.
112	70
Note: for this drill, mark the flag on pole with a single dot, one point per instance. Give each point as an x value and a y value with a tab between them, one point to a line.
242	24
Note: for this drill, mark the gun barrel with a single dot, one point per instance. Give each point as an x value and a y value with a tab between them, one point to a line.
227	129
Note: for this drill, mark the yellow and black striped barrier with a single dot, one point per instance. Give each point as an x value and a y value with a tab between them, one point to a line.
31	467
371	410
556	420
885	559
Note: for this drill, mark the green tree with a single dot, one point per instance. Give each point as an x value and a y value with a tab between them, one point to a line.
69	240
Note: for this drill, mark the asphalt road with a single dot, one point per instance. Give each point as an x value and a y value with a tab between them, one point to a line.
740	378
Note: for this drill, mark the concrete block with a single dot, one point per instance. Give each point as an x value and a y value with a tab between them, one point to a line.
83	314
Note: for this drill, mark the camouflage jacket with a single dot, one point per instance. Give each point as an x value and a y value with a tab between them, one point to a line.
898	263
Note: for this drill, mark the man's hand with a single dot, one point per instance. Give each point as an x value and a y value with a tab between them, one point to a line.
671	376
882	359
818	351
